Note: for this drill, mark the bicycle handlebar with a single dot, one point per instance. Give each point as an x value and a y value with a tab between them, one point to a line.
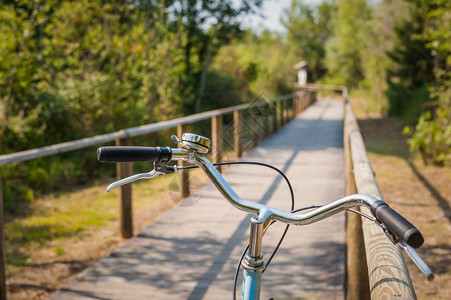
397	224
393	221
116	154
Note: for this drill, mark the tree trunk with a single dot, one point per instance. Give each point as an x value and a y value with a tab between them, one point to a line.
203	78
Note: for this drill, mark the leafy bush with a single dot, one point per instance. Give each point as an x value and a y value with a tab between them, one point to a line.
407	102
432	137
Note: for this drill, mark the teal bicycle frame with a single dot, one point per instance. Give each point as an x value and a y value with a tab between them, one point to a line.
251	285
253	263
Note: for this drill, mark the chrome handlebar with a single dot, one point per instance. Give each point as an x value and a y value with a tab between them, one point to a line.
278	214
196	158
226	190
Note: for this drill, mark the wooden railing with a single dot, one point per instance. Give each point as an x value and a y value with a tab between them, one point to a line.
283	109
375	267
388	276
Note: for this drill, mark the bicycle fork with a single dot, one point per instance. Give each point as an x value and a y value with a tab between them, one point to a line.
253	263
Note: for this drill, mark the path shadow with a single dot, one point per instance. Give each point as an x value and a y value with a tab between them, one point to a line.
438	257
439	198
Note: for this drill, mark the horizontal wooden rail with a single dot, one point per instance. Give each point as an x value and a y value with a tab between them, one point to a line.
129	132
317	86
388	276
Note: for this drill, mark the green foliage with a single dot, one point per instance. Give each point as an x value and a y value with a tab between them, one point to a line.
223	20
343	54
432	134
407	101
222	91
378	37
72	69
260	64
409	79
432	137
308	28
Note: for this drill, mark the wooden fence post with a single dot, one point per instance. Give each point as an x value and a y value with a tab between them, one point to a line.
2	246
237	127
294	106
289	113
216	139
274	116
183	175
298	104
281	114
123	170
268	120
304	100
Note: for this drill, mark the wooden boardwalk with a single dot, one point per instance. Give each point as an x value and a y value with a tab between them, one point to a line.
191	252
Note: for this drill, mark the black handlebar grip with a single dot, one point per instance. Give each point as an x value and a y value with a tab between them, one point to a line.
133	154
396	223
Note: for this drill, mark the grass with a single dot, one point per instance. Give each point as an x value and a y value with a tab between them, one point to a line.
60	236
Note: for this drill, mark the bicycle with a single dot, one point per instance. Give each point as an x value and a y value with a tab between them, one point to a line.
195	147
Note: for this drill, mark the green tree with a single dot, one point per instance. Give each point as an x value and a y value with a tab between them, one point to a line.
343	49
308	28
260	64
432	135
377	39
409	79
71	69
207	24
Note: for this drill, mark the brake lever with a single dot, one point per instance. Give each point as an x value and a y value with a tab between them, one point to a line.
419	262
160	169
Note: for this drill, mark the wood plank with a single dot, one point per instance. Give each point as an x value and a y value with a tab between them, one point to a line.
237	131
183	179
356	269
123	170
216	140
2	246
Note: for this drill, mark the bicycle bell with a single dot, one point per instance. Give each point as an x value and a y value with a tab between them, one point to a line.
195	142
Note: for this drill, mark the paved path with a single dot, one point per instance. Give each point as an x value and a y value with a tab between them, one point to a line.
191	252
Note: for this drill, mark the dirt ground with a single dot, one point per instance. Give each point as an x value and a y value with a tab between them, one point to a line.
420	193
